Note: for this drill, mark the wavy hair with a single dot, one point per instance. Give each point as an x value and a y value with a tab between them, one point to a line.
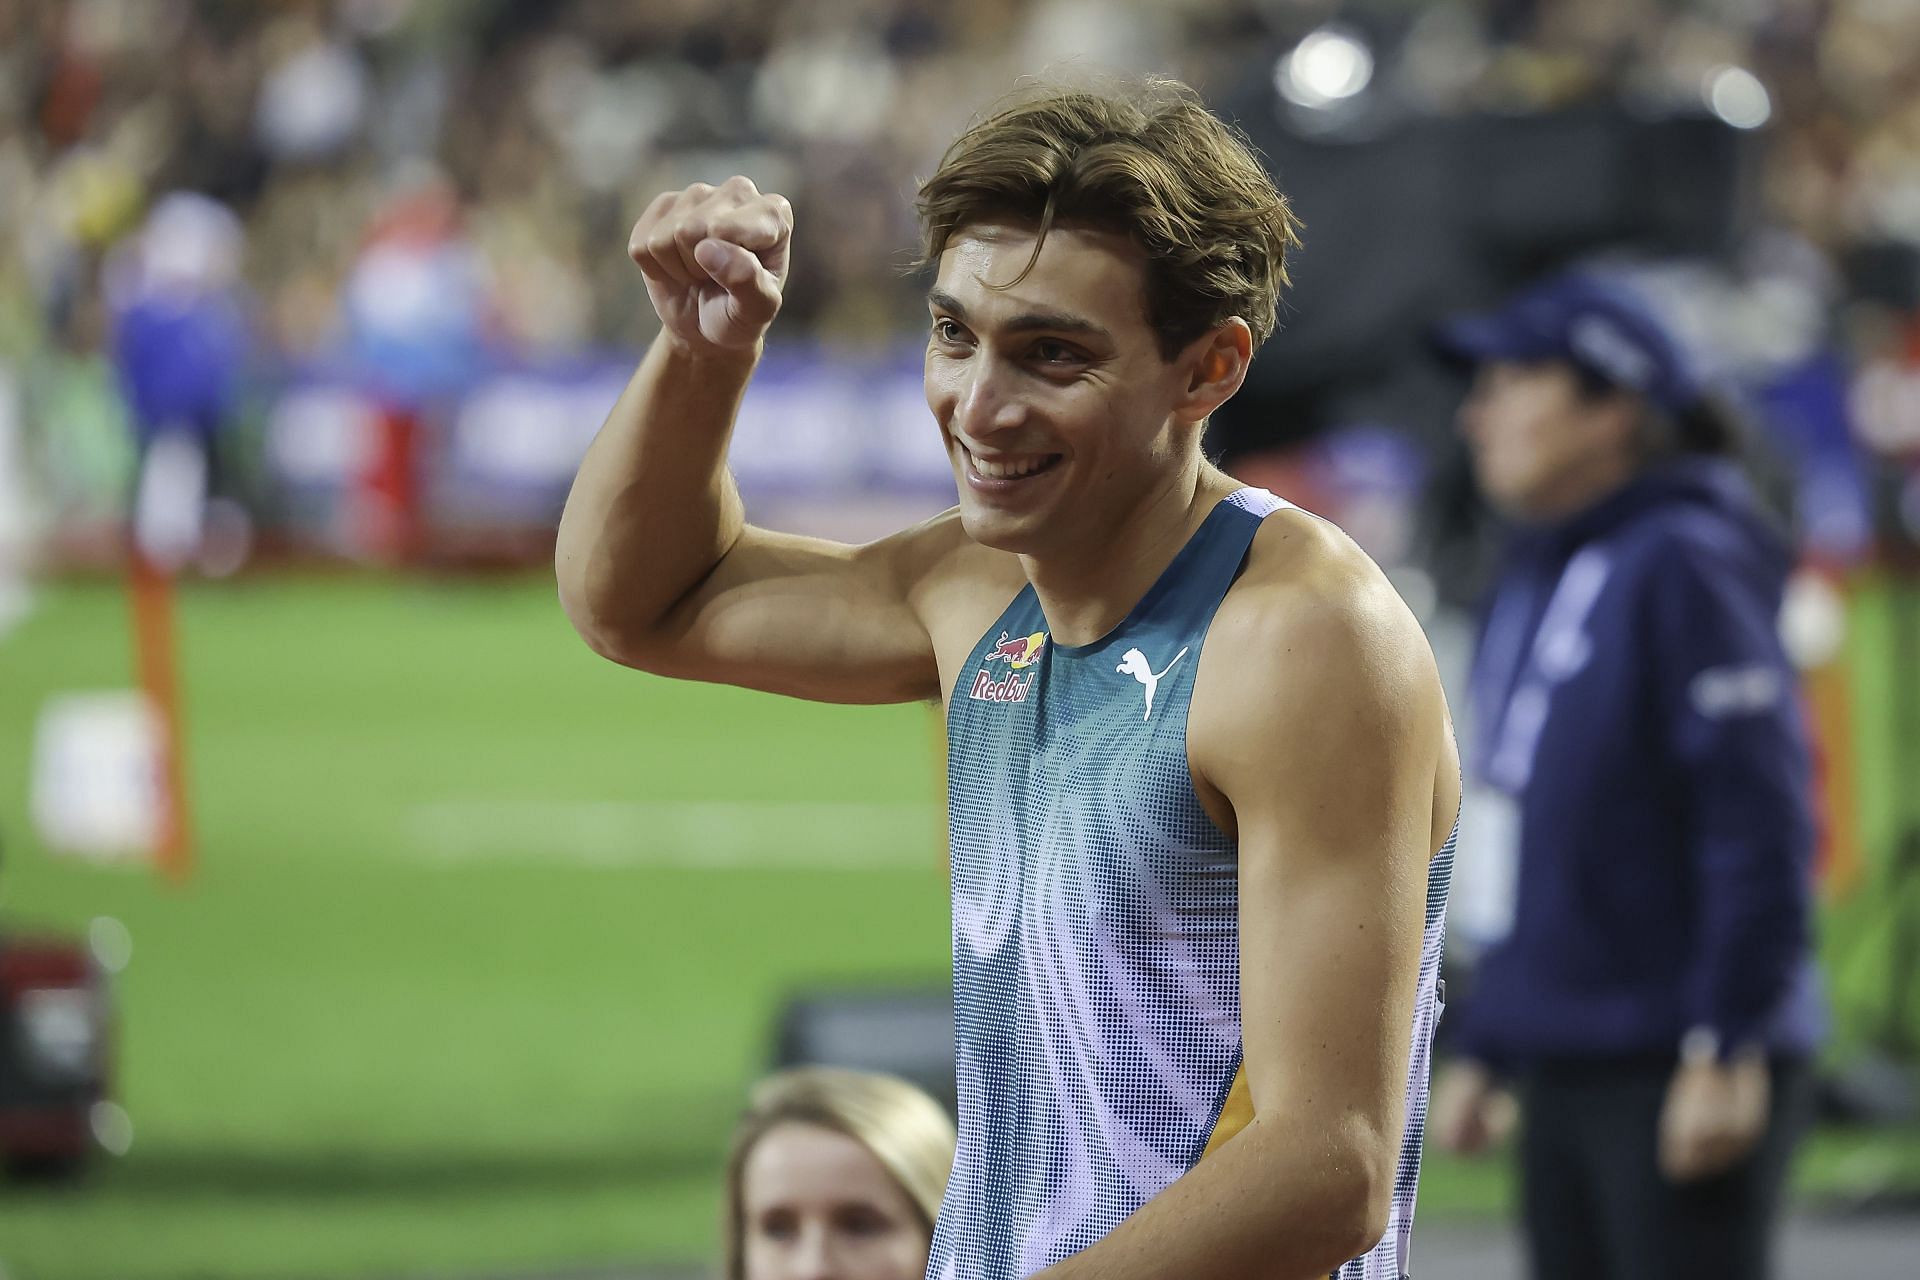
1144	158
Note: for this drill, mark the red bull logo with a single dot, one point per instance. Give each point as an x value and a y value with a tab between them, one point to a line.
1020	653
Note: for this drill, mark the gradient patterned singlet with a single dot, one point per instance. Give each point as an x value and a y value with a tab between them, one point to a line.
1095	933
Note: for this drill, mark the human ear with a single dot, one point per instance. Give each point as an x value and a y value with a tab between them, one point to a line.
1217	364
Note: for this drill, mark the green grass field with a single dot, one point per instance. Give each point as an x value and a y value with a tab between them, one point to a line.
485	939
408	1015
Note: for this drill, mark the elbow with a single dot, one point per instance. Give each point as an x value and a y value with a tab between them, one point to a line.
597	623
1368	1214
578	603
1356	1202
1359	1213
606	643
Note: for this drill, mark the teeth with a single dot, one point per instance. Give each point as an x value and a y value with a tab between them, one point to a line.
1009	469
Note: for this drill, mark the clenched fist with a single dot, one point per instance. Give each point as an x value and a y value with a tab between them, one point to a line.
715	259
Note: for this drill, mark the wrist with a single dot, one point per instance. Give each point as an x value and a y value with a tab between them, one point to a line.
700	357
1704	1046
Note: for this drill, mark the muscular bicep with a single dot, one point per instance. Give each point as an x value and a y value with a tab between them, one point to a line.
1331	915
1329	749
805	617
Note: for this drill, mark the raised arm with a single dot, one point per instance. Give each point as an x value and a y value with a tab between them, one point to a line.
1319	719
657	567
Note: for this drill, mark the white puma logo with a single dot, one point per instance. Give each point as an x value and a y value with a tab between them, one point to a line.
1134	663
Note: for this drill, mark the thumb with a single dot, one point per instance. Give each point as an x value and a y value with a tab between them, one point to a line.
732	267
754	290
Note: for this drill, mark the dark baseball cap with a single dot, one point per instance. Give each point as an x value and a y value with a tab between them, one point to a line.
1600	325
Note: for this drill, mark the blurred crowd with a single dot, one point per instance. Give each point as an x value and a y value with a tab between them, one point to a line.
534	132
433	187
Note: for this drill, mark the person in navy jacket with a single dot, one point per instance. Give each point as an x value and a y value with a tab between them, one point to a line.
1639	748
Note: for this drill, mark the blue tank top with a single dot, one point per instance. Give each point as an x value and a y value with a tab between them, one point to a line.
1096	955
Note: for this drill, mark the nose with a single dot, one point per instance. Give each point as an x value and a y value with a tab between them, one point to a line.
985	399
815	1257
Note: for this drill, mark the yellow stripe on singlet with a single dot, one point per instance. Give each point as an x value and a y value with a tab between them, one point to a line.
1235	1114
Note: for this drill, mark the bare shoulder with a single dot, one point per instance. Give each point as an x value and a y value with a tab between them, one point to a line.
1310	606
956	586
1314	661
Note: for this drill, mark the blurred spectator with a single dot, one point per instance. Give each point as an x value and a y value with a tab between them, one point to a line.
567	110
1639	753
835	1175
15	513
416	303
180	338
539	125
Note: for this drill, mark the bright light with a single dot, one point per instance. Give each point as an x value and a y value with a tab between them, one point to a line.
1324	68
1737	96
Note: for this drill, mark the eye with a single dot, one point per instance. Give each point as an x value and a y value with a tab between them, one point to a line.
779	1226
863	1220
1048	351
946	330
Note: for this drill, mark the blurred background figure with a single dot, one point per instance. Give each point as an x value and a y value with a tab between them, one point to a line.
180	338
416	306
16	511
835	1175
1641	764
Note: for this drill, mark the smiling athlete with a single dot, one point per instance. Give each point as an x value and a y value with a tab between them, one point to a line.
1200	820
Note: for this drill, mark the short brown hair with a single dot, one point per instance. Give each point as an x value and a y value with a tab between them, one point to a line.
1145	158
907	1132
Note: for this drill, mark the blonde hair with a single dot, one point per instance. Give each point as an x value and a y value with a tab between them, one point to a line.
1141	157
907	1132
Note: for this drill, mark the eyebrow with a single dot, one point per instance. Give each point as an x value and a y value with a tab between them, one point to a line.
1026	321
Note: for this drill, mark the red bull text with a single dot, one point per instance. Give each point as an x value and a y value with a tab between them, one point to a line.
1020	653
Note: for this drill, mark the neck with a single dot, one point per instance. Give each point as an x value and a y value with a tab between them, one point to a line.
1088	588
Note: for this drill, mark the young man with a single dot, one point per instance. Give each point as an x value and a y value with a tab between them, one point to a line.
1201	771
1654	997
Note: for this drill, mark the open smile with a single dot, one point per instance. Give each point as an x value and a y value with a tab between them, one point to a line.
1004	471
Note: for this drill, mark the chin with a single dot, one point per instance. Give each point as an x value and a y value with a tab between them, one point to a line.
998	530
1503	495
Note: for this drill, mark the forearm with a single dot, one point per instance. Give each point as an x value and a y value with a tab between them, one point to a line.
1753	842
1757	906
1279	1202
653	507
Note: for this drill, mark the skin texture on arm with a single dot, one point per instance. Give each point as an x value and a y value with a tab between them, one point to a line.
652	508
659	570
1319	727
656	565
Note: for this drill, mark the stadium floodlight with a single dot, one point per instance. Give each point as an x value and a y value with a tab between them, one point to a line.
1330	65
1737	97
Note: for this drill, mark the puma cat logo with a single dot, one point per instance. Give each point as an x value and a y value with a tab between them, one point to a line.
1134	663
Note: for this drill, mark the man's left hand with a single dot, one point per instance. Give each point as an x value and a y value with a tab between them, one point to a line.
1715	1114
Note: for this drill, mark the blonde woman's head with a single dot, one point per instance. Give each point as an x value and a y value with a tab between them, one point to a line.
835	1174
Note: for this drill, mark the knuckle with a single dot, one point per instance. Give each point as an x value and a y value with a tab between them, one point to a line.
643	229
